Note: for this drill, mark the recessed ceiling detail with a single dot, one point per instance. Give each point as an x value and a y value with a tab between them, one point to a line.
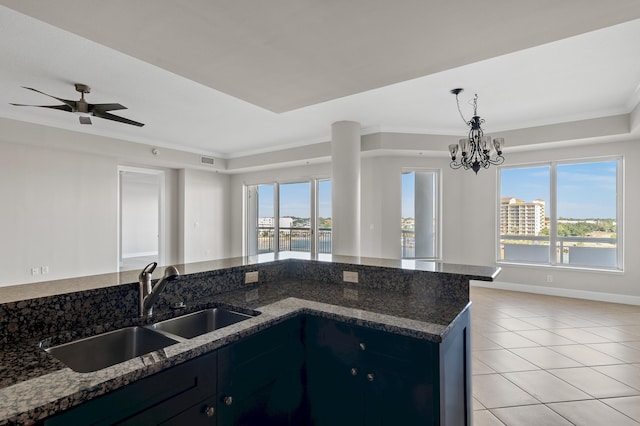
229	79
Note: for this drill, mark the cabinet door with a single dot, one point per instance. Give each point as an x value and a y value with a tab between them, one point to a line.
260	378
401	379
399	392
357	376
335	394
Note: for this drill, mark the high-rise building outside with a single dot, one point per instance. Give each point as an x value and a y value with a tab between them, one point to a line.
519	217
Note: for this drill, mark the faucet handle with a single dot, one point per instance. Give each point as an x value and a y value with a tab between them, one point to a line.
148	270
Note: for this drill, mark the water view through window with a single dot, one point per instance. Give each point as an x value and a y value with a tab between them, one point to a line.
576	227
297	228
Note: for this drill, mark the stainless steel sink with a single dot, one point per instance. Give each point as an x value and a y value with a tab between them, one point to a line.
97	352
192	325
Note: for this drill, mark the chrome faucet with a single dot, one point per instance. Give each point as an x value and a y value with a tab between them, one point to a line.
148	294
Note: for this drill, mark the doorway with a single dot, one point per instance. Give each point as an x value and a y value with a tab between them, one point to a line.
141	197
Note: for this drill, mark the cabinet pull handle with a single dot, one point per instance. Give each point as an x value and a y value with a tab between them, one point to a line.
227	400
209	411
370	377
363	346
354	371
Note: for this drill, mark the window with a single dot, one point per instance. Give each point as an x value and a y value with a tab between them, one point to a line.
286	210
420	215
295	217
324	216
562	214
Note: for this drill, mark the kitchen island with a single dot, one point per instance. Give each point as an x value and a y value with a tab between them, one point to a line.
418	302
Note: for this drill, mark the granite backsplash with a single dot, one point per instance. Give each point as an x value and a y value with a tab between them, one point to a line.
117	306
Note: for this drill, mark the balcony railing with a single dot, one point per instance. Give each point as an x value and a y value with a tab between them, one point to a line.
408	241
576	251
293	239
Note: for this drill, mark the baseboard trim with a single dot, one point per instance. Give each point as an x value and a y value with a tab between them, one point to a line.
140	254
562	292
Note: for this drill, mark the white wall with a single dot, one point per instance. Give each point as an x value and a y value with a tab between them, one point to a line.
205	202
59	210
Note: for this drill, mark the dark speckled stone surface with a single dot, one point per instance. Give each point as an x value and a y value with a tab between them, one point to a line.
414	298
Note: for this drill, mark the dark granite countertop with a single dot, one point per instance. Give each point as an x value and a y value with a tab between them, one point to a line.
34	385
67	285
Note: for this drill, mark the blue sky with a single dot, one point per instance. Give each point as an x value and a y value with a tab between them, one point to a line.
408	194
585	190
294	199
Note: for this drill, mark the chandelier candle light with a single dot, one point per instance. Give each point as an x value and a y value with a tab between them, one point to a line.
477	150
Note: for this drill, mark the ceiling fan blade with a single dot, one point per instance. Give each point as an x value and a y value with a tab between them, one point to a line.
72	104
108	116
84	120
105	107
60	107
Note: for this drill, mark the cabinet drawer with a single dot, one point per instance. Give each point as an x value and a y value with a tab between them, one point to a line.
264	341
150	400
346	341
203	413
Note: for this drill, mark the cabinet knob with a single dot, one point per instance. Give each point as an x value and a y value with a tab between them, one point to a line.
363	346
228	400
354	371
209	411
370	377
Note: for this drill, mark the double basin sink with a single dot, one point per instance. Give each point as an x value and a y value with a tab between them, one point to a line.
103	350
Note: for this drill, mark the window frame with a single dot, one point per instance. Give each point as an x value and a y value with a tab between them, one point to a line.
553	217
313	206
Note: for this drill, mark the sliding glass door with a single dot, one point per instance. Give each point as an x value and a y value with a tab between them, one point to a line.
299	213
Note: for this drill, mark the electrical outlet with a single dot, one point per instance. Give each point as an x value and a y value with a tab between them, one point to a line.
350	294
44	270
251	277
35	271
350	276
549	278
251	295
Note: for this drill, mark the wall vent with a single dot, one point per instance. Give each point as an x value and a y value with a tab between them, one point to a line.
207	160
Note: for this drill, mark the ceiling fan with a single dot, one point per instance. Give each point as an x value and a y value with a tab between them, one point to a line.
84	109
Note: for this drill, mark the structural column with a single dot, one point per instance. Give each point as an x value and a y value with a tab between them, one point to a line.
345	182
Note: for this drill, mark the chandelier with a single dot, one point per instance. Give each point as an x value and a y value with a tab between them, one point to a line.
477	150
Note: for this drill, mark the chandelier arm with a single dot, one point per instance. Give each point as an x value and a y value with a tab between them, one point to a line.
498	160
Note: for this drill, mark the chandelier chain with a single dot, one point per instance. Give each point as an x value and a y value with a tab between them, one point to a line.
460	111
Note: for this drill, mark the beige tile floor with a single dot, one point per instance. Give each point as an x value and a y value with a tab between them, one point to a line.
543	360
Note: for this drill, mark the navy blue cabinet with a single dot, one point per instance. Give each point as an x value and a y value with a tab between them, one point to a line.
306	370
183	392
260	378
359	376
